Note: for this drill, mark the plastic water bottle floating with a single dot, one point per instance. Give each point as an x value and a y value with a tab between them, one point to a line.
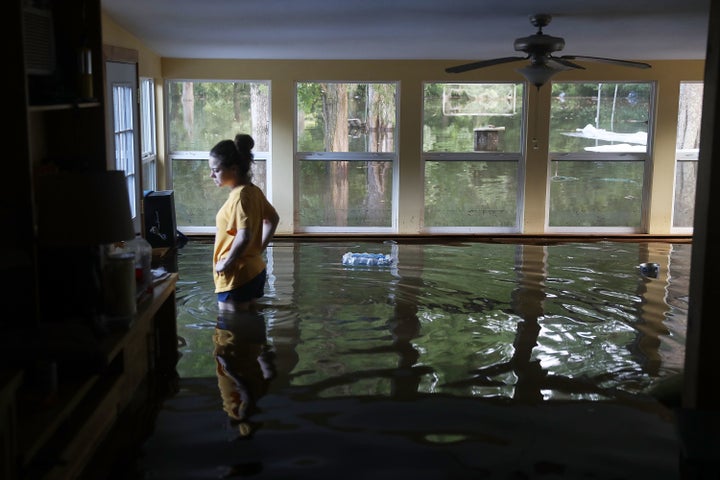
367	259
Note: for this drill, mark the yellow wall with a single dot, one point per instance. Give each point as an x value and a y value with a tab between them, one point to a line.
411	74
149	65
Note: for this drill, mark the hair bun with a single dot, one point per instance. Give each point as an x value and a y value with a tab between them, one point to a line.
244	142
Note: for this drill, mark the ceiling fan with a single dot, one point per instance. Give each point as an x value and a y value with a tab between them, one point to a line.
539	48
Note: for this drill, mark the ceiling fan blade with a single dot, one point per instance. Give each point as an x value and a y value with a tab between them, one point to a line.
565	64
482	64
614	61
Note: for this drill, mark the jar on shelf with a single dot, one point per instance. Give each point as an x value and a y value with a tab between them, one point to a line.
143	264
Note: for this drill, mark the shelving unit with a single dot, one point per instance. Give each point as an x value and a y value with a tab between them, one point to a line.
66	122
56	126
59	431
51	426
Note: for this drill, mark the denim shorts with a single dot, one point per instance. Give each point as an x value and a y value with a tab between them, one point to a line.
255	288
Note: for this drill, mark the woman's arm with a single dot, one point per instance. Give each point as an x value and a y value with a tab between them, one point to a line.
270	224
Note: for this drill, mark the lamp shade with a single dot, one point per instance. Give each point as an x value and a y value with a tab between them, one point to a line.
537	73
86	208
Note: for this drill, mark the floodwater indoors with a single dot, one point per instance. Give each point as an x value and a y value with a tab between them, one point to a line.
467	360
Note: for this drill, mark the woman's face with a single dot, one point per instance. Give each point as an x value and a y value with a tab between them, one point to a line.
221	175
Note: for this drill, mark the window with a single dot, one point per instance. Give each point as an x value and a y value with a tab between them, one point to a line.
599	155
346	156
148	144
124	139
200	113
121	85
472	147
686	155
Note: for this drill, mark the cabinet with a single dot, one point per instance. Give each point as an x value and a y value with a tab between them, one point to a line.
58	429
56	111
63	70
10	381
62	386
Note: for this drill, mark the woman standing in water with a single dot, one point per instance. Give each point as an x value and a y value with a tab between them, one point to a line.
245	225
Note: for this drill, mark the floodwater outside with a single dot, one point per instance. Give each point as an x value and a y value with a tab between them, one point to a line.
462	359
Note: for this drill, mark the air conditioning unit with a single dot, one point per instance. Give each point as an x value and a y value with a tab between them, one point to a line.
39	41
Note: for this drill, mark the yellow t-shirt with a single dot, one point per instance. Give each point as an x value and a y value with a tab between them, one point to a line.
245	207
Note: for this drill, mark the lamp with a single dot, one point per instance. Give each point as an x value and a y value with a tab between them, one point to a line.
537	73
78	213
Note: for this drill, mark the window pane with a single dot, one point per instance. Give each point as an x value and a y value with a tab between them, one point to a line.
686	155
346	117
596	194
598	151
125	139
197	198
149	170
685	184
472	147
470	193
345	193
201	113
353	187
472	117
147	116
599	117
147	134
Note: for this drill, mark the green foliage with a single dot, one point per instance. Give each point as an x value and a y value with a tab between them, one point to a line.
478	194
622	108
197	198
591	194
214	111
449	123
366	203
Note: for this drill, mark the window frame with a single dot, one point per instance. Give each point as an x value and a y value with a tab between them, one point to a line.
299	156
583	156
473	156
124	131
202	155
680	157
148	134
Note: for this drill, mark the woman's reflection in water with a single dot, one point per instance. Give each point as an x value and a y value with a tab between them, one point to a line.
245	366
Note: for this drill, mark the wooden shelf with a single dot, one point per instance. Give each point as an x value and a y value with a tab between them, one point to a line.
89	429
58	433
64	106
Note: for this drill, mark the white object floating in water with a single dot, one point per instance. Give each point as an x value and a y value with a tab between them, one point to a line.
367	259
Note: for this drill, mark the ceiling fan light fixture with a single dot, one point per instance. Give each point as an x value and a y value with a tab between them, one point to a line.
537	74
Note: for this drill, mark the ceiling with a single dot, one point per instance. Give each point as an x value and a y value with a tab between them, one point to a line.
411	29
